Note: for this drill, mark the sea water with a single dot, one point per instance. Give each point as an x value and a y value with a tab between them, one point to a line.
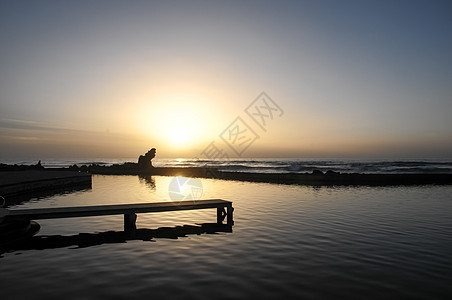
272	165
288	241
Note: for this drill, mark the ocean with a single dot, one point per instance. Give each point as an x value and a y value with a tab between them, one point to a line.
273	165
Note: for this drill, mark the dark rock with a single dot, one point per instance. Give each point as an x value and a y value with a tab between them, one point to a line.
331	173
74	168
15	167
145	161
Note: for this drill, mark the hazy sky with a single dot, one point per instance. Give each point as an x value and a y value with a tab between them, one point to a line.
111	79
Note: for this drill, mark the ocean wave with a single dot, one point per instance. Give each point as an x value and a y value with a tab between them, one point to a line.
292	165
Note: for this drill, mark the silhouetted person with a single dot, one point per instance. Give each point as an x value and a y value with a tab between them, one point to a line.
145	161
38	166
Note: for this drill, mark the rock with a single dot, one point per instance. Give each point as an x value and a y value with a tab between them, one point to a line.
145	161
317	172
331	173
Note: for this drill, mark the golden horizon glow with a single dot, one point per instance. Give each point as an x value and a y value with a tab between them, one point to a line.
176	121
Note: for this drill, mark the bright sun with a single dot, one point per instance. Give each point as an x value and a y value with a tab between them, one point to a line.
179	135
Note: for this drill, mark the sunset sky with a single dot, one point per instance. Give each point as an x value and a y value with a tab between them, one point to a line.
111	79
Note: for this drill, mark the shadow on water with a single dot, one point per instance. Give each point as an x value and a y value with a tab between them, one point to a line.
83	240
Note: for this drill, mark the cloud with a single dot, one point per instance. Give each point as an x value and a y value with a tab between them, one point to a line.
30	125
39	139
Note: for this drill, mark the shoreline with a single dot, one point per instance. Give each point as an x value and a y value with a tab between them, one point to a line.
315	178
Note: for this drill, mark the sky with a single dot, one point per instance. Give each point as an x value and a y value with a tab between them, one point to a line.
112	79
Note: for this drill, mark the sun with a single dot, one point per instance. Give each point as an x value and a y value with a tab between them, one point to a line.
179	135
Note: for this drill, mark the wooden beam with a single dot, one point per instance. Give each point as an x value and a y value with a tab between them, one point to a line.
87	211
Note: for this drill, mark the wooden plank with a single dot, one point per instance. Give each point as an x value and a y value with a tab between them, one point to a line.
87	211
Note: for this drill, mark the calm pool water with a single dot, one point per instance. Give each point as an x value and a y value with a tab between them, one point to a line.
288	241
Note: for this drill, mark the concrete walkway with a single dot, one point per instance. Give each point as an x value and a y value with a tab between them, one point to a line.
21	182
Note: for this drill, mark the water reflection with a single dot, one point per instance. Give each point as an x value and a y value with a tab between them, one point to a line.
148	180
293	242
45	193
83	240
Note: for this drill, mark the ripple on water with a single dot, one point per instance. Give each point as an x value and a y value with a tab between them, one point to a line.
287	241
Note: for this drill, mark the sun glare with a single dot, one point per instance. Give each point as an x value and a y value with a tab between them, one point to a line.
179	135
176	122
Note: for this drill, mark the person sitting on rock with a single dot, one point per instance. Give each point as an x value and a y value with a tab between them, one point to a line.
145	162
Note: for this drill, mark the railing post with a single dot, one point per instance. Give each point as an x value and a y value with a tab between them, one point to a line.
129	222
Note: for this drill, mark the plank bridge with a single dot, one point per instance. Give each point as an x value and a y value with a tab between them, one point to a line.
224	211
